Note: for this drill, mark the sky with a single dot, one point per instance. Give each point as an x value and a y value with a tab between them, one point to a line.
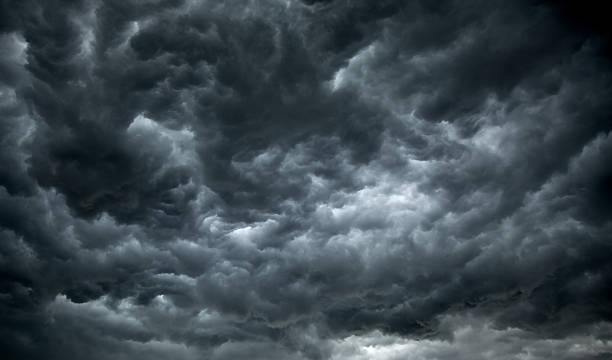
305	179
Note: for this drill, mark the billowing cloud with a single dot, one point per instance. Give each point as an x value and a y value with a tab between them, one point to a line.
305	180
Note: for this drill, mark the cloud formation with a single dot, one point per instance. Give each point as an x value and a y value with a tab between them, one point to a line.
305	180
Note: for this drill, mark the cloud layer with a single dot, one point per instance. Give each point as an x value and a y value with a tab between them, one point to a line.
305	180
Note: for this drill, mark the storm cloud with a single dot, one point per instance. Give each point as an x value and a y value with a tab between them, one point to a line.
284	179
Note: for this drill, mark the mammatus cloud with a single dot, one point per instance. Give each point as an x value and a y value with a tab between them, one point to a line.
305	180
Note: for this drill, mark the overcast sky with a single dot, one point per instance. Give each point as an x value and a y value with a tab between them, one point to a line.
285	179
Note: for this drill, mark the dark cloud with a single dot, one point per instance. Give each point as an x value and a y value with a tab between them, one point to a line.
305	180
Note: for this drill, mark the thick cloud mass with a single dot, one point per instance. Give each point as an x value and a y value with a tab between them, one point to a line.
285	179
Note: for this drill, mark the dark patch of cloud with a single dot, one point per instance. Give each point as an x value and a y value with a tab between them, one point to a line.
303	179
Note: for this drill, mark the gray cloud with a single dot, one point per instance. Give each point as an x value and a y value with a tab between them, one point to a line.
304	180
